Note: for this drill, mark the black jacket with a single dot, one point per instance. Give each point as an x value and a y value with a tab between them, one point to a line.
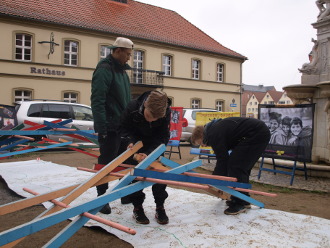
134	126
223	135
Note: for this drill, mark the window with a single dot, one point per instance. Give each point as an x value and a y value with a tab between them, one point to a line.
70	53
195	103
167	65
220	73
195	69
271	102
255	103
250	103
138	66
22	95
104	51
58	111
281	102
219	106
82	113
23	47
70	97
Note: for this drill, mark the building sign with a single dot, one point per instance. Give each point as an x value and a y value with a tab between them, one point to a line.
46	71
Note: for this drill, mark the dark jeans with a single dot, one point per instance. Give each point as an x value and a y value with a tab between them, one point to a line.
158	190
108	152
243	157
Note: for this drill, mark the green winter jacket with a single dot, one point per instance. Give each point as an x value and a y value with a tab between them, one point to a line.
110	94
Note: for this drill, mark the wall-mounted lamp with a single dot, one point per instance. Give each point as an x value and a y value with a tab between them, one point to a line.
51	44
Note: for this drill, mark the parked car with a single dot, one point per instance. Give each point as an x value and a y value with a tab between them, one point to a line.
190	116
44	110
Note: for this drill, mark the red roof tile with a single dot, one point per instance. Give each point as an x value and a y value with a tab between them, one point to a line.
276	95
134	19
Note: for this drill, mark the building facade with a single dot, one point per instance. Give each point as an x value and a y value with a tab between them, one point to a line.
49	52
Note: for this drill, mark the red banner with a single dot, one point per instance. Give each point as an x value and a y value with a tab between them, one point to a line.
176	123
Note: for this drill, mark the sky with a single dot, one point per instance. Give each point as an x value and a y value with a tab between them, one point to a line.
275	35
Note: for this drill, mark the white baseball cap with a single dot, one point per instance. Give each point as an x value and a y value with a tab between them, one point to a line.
122	42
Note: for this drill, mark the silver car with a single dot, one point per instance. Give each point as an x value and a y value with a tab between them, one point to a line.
40	111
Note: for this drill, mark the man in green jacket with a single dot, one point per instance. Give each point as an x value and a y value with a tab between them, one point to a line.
110	95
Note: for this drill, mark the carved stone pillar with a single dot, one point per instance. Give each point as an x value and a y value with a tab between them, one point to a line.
300	93
325	92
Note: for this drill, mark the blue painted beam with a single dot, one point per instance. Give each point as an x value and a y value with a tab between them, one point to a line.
92	206
34	149
230	191
188	179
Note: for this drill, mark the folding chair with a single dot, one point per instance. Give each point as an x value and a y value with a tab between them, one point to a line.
171	144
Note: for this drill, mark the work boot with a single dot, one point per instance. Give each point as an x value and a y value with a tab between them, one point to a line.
139	216
125	200
235	209
161	216
106	209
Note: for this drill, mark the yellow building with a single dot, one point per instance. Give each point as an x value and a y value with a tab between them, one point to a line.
49	51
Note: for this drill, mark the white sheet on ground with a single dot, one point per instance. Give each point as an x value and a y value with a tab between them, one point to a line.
196	220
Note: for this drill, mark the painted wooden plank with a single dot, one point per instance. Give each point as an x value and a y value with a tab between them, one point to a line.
86	133
41	223
34	149
190	179
95	178
230	191
75	225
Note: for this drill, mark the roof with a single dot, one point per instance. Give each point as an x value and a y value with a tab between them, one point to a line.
276	95
132	20
257	88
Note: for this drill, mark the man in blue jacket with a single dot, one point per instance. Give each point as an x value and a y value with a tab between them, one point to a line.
110	95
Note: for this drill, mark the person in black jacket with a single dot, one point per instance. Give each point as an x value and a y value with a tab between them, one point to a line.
147	119
237	143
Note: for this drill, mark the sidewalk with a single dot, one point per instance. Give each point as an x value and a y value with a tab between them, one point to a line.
312	183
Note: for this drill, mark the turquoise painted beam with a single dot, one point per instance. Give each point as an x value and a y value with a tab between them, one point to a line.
188	179
230	191
34	149
92	206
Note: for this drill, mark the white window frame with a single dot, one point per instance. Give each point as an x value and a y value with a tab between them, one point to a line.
105	51
220	73
138	64
72	97
219	105
195	103
24	47
25	95
195	68
167	65
70	53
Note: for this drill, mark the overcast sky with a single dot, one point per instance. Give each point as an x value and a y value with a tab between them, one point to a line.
275	35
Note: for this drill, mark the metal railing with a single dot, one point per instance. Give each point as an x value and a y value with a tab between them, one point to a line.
146	77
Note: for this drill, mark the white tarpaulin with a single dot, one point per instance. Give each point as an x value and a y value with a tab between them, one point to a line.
196	220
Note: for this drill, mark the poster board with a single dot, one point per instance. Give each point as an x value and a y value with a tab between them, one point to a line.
203	118
291	129
176	123
7	117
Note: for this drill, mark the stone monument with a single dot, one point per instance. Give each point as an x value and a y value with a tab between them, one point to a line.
315	84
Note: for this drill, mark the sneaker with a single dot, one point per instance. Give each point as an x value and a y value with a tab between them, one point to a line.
235	209
246	205
125	200
106	209
161	216
139	216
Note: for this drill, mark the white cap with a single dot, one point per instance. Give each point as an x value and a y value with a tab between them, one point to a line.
122	42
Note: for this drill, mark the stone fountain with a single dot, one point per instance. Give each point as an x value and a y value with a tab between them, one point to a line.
315	84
